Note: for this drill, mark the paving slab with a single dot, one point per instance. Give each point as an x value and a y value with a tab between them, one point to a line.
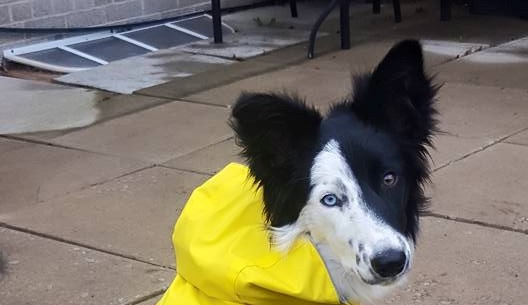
463	26
178	88
245	45
43	271
508	52
9	144
470	111
57	107
279	16
107	108
504	66
462	264
208	160
36	173
155	135
488	187
151	301
521	138
133	215
212	158
448	149
318	87
365	56
138	72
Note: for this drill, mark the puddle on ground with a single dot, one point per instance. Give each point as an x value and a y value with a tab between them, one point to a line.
129	75
57	108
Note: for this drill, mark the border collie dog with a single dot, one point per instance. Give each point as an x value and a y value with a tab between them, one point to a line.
351	181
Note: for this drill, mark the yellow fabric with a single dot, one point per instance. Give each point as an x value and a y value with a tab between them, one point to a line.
224	255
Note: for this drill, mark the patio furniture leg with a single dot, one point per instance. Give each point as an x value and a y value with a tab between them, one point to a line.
376	6
445	10
397	10
333	4
217	21
344	22
293	8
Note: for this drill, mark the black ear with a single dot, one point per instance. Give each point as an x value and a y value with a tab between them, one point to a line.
277	134
398	96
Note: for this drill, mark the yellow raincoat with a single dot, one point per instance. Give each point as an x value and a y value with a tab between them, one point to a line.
224	255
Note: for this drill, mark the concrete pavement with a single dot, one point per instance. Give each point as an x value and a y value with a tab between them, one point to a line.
86	213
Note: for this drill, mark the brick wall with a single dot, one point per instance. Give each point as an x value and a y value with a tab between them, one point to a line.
82	13
86	13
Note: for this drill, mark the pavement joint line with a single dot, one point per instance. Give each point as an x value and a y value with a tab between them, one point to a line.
79	244
164	165
184	100
180	99
482	148
236	59
514	134
222	83
473	84
207	146
475	222
465	54
116	177
222	140
185	170
53	144
516	144
95	183
42	142
146	297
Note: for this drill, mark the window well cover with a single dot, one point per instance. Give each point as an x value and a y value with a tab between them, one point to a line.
88	51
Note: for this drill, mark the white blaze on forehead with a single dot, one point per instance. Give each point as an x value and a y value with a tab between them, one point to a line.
330	162
331	171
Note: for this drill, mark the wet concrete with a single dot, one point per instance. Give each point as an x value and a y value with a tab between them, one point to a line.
131	74
93	202
244	46
29	106
42	111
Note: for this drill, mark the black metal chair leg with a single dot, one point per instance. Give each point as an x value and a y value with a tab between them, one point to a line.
293	8
217	21
333	4
445	10
344	22
397	10
376	6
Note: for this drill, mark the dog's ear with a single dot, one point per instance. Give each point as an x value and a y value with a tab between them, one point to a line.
276	132
398	96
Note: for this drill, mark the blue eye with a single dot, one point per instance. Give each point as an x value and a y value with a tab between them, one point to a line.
330	200
390	179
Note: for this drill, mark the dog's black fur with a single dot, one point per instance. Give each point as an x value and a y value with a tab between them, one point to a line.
392	109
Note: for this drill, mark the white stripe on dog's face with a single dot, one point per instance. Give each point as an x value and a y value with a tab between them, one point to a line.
337	216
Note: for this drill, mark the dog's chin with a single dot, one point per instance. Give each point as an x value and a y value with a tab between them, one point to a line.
372	288
374	280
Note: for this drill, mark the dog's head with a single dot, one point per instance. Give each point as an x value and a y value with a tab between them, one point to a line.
353	179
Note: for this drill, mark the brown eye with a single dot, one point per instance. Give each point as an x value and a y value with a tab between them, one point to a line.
390	179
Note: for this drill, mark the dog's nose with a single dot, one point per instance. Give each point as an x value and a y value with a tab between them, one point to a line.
389	263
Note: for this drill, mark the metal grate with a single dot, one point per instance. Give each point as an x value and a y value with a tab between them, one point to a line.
88	51
109	49
162	37
201	25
